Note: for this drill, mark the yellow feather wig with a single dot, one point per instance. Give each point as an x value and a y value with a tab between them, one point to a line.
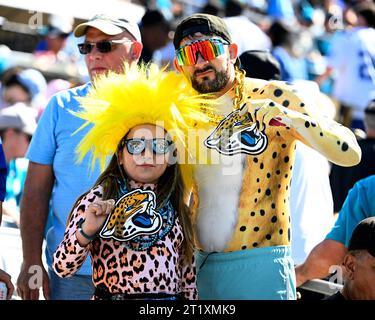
142	94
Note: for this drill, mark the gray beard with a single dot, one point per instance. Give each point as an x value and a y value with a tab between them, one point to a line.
208	86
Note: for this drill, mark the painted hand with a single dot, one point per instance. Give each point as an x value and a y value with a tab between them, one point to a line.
267	112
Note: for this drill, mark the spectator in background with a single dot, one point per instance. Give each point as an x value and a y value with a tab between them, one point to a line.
342	179
5	54
211	8
17	125
349	15
245	33
55	35
359	264
288	51
4	277
27	86
53	173
332	25
166	7
260	64
155	34
12	88
305	13
281	10
75	59
351	60
332	28
57	85
331	251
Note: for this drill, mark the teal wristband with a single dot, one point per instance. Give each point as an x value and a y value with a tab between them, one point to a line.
85	235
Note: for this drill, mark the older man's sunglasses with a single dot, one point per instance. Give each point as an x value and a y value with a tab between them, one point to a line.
104	46
209	48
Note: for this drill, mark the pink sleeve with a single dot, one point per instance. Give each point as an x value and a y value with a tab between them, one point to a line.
70	255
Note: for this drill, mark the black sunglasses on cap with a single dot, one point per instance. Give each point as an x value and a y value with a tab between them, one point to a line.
104	46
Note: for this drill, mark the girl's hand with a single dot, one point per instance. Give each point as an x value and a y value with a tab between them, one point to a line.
95	215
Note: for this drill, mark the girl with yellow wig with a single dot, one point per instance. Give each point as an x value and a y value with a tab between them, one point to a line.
134	221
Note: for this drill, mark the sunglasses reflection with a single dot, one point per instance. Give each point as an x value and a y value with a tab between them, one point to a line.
103	46
209	49
146	146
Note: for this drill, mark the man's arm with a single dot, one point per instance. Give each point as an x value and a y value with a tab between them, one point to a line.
33	217
299	111
332	250
324	255
324	76
4	277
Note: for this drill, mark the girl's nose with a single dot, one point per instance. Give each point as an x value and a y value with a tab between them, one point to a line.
147	152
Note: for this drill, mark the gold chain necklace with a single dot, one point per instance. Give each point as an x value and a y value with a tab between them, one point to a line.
239	89
215	119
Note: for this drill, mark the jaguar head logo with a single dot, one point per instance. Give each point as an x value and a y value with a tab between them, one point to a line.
133	215
237	133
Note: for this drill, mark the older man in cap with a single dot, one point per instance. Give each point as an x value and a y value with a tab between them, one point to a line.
53	176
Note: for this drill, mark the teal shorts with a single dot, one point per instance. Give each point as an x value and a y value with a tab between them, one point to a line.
256	274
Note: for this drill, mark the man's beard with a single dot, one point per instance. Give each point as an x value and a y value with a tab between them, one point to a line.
208	86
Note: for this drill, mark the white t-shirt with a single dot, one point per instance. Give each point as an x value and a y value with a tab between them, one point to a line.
353	58
311	203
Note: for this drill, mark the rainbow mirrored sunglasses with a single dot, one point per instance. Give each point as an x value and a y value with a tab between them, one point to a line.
209	48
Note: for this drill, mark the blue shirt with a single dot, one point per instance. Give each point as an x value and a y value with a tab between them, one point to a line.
3	172
281	9
54	144
358	205
292	68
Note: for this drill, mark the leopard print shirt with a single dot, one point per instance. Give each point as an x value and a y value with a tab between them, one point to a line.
157	269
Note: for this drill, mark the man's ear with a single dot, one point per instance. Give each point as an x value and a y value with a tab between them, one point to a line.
349	265
176	65
233	52
136	50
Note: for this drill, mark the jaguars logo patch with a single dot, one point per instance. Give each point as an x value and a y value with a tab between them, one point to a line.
235	134
133	215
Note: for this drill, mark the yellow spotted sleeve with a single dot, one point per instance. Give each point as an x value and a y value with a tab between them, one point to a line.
301	113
